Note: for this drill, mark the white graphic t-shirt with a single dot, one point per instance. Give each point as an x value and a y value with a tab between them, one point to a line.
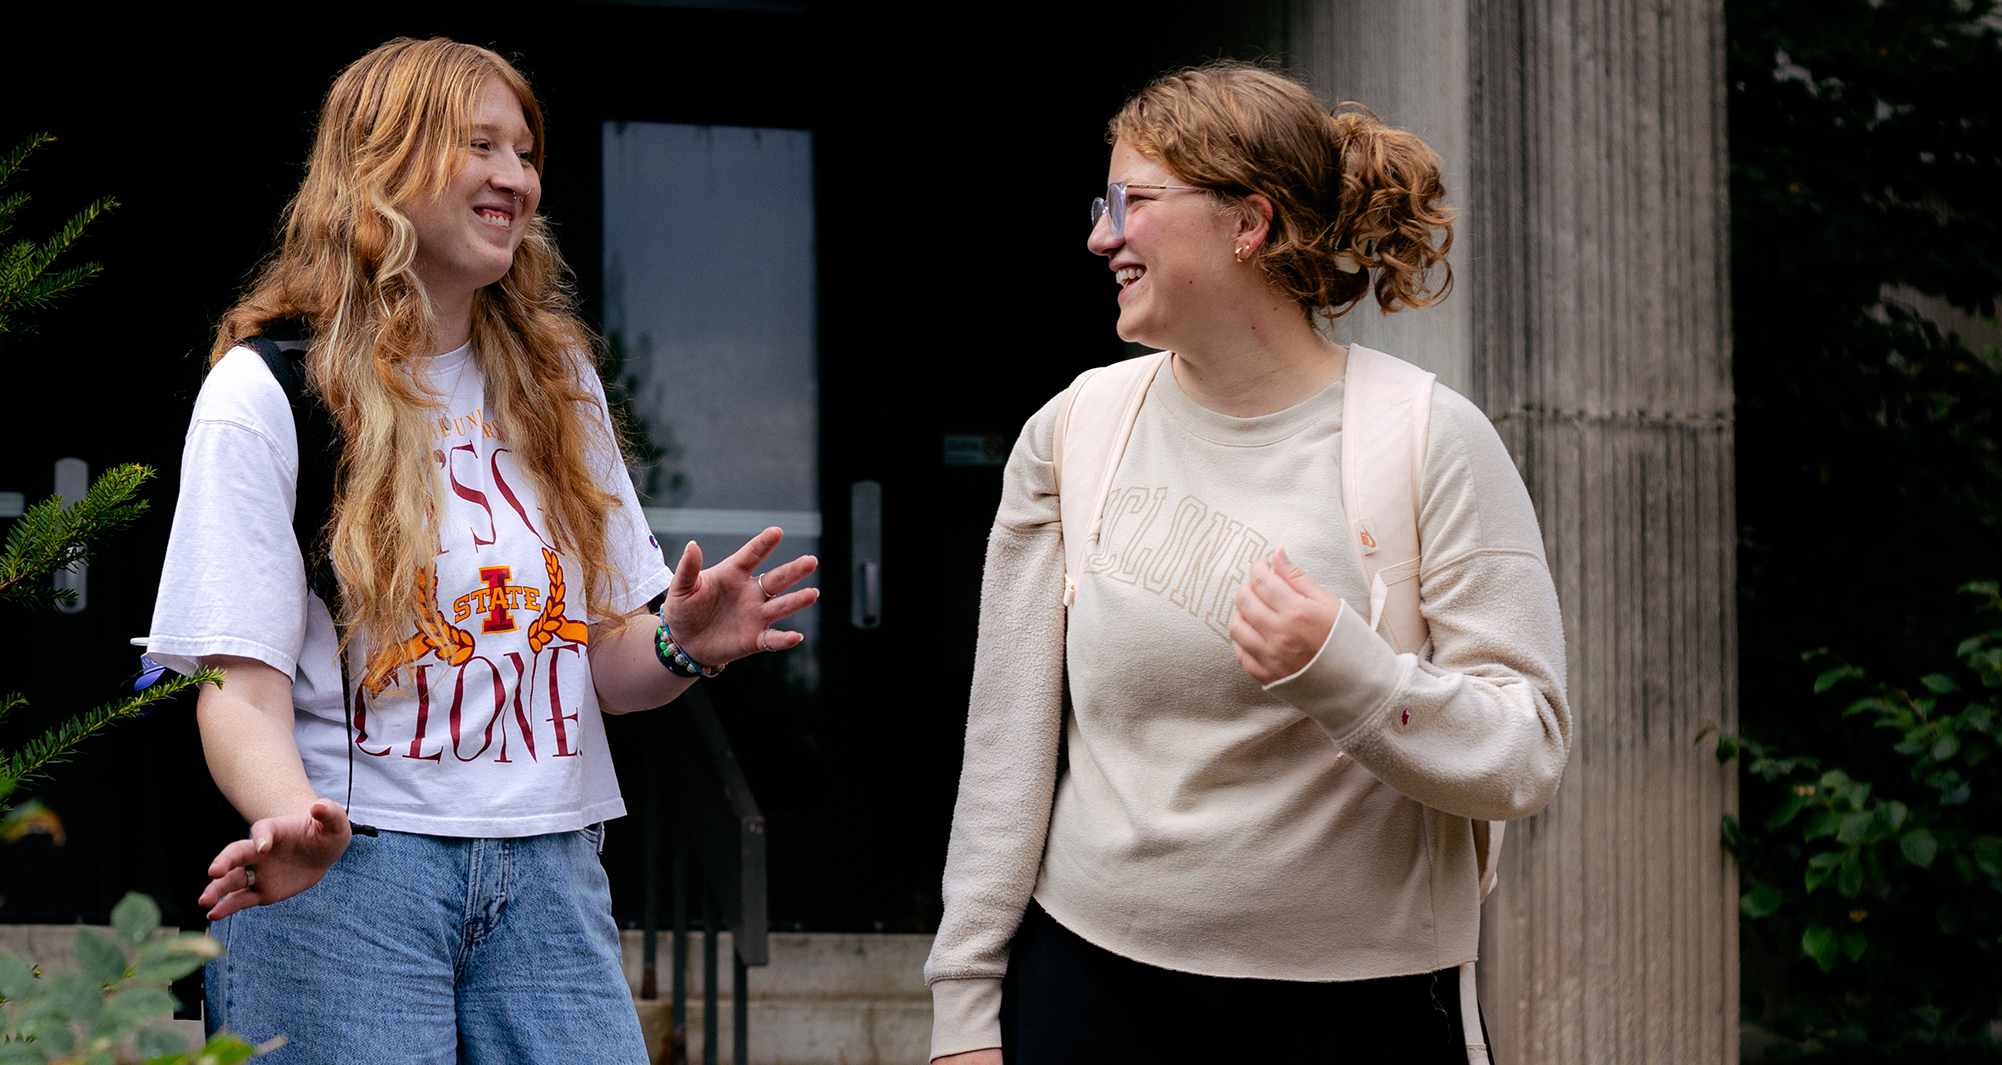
493	729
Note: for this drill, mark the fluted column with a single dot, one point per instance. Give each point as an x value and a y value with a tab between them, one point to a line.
1592	325
1602	350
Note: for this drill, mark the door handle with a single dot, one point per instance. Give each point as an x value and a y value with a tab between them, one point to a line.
865	554
73	483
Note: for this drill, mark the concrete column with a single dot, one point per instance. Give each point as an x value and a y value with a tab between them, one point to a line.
1585	145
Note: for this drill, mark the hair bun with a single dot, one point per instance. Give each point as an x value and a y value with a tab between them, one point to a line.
1349	193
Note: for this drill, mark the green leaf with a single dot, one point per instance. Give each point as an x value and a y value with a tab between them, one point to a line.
135	917
1727	748
1820	823
1761	901
1854	794
1786	813
228	1049
53	1032
98	957
1820	944
1854	944
1849	881
1945	747
17	979
140	1003
72	996
1919	847
167	966
1855	828
166	960
1820	867
19	1053
1831	678
157	1043
1734	834
1988	854
1891	817
1939	683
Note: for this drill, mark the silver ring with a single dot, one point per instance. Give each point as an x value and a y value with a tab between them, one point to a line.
761	641
761	587
249	877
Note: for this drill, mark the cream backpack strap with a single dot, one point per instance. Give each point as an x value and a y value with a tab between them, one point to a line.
1090	436
1386	421
1386	416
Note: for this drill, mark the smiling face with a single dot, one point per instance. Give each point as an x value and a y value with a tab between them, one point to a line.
467	233
1175	263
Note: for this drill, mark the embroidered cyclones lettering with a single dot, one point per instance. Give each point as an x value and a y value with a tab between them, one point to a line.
1196	560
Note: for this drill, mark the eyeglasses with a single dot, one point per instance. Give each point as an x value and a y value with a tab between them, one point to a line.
1114	203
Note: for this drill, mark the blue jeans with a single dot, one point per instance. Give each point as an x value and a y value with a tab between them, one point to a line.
425	949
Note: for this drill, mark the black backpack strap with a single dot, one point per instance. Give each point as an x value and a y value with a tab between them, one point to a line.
319	456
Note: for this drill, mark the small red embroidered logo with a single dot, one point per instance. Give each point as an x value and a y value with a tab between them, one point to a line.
1405	717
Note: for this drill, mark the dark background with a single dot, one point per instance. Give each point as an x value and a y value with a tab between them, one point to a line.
953	169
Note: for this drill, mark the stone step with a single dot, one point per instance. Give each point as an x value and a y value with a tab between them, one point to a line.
825	999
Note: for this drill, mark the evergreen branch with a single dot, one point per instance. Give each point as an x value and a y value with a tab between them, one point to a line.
25	282
50	536
8	206
39	294
10	164
11	702
55	745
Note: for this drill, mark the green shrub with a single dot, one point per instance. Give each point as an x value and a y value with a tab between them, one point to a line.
104	1015
1881	900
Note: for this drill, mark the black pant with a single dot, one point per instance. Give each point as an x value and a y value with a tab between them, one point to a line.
1065	1001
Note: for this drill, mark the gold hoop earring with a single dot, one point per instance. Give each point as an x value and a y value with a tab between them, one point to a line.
1240	254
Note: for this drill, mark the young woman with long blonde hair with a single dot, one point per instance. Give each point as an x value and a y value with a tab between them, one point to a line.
1207	811
492	567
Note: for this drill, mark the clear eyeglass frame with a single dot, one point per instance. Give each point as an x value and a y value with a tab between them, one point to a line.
1114	203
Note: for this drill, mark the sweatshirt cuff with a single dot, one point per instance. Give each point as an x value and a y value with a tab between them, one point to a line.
965	1015
1350	681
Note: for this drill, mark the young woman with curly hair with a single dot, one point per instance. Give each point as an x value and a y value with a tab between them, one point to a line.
492	568
1208	810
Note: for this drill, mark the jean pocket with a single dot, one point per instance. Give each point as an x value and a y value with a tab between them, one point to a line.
595	836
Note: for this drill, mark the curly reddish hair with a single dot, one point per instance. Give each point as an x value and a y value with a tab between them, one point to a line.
1355	203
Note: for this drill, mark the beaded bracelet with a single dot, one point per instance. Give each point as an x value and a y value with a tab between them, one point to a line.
677	660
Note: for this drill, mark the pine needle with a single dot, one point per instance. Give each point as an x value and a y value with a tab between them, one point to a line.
26	284
56	745
50	536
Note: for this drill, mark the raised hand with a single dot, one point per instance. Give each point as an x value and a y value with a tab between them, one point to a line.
1282	619
725	612
282	857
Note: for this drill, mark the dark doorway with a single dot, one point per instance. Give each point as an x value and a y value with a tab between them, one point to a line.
951	295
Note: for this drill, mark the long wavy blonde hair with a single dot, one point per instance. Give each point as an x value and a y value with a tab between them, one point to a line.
396	126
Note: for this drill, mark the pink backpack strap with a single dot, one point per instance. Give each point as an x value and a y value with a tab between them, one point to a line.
1091	433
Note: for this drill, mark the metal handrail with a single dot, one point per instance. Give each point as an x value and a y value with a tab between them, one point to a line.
715	826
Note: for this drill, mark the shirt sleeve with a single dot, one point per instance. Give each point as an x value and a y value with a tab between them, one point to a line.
233	582
1483	728
1007	780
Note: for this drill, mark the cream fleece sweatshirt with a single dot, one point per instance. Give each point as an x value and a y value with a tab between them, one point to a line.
1318	829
